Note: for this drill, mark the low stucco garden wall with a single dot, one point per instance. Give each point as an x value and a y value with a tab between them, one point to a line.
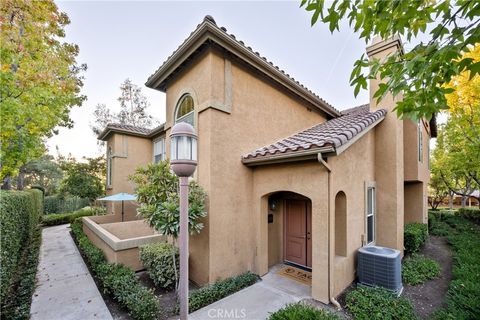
120	241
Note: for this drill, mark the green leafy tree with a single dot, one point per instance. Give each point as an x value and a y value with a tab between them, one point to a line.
83	179
133	110
158	196
420	75
44	172
40	80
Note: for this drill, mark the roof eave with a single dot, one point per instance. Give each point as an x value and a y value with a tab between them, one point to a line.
208	31
106	133
309	154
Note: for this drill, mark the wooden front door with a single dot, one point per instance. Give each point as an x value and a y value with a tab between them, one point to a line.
298	229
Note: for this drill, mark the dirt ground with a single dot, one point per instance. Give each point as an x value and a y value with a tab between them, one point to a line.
430	296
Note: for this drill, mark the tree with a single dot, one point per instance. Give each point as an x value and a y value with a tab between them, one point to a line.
40	80
419	75
44	172
83	179
437	190
158	196
133	105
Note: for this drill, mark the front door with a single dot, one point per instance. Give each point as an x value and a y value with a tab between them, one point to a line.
298	248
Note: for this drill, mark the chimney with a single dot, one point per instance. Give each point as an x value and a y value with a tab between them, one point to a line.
389	162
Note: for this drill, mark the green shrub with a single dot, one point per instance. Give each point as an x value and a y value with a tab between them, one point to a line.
472	214
158	259
417	269
64	218
117	280
60	204
17	304
219	290
415	235
300	311
19	216
463	292
377	303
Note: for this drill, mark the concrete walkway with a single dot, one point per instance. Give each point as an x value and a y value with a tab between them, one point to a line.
65	290
257	301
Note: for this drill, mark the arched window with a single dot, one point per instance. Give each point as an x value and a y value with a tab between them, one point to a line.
341	224
184	111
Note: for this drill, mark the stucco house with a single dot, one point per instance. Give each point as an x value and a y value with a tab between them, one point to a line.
289	177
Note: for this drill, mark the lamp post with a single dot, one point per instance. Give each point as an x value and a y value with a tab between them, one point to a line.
183	160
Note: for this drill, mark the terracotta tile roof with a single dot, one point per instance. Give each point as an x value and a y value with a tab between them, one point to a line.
209	21
333	133
128	129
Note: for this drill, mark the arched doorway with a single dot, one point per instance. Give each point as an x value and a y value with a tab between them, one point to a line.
290	229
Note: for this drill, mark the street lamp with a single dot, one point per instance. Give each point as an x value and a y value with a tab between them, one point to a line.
183	160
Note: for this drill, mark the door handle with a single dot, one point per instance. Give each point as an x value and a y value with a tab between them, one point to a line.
309	236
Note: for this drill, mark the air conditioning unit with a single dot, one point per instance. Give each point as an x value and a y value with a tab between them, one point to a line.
380	267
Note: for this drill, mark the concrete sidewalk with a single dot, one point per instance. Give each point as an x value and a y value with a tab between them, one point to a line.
257	301
65	289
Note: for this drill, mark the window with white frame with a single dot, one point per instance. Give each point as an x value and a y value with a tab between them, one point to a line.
109	166
159	152
185	110
420	142
371	212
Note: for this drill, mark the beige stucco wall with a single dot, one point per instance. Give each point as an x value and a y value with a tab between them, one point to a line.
129	152
351	170
233	110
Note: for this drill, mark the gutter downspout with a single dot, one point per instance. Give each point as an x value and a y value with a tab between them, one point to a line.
330	253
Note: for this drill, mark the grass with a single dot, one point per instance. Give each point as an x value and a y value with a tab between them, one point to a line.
378	303
417	269
299	311
462	300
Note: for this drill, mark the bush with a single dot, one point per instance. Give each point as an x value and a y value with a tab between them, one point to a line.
117	280
472	214
17	304
417	269
60	204
415	235
377	303
463	292
19	216
300	311
219	290
63	218
158	258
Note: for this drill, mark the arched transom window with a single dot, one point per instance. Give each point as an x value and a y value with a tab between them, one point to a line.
184	112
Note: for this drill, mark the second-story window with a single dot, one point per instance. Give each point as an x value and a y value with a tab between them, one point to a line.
184	111
109	166
420	141
159	152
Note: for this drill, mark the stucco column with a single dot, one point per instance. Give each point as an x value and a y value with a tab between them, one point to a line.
389	165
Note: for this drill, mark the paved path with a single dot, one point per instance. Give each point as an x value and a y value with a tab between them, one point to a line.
257	301
65	290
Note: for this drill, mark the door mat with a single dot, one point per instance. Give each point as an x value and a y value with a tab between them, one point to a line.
296	274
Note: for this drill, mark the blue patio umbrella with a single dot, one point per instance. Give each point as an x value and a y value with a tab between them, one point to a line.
122	196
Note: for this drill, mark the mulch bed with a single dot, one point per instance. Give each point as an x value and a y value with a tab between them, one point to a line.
429	297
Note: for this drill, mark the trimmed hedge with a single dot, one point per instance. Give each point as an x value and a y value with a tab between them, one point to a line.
414	236
158	259
117	280
19	216
300	311
463	292
219	290
17	304
472	214
60	204
417	269
64	218
378	303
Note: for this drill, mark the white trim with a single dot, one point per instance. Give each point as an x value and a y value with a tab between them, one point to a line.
371	185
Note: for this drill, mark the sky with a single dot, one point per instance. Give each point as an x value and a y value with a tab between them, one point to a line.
131	39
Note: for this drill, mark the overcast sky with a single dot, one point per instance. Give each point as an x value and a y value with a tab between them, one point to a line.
120	40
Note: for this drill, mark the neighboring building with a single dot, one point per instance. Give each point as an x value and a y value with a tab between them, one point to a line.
288	177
